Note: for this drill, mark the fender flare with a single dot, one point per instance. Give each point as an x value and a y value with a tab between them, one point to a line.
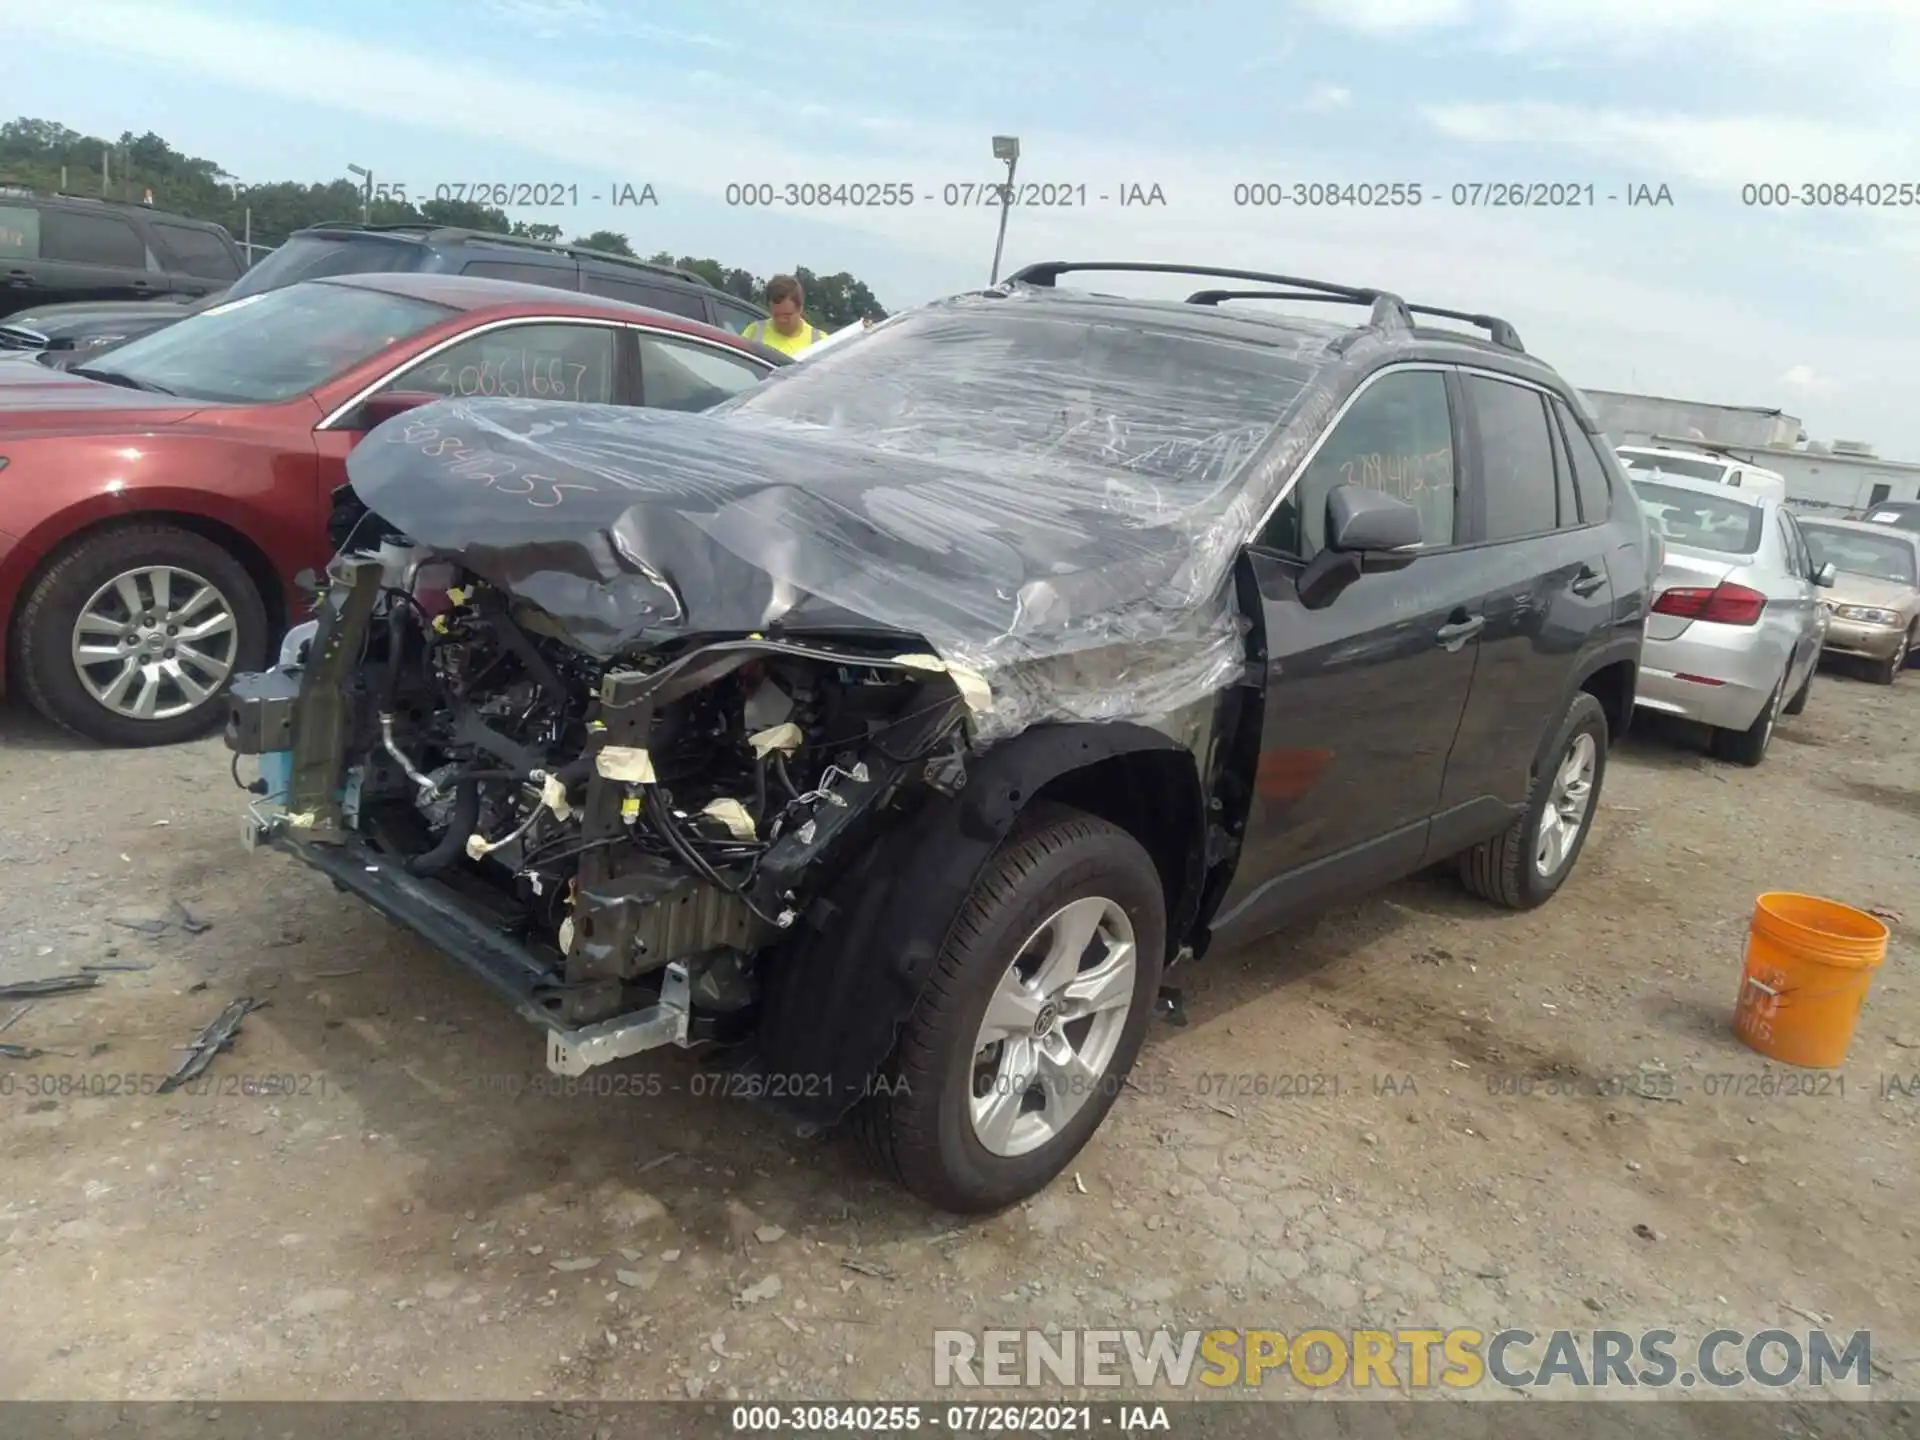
837	996
1623	647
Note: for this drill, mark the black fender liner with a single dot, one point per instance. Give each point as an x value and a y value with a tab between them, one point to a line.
836	996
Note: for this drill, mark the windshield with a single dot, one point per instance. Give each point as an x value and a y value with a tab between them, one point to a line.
268	347
1640	463
1700	522
310	257
1162	404
1877	557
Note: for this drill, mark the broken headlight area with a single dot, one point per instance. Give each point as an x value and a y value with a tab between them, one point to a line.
617	843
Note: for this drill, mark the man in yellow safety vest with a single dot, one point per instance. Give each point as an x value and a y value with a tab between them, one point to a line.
789	330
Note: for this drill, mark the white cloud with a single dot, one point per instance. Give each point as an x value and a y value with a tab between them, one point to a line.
1723	151
1326	96
575	19
1392	17
1806	380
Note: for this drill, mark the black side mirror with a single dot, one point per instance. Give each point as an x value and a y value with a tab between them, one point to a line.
1826	575
1367	522
379	408
1367	531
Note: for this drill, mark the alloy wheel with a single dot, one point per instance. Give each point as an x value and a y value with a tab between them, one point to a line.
154	642
1052	1026
1565	814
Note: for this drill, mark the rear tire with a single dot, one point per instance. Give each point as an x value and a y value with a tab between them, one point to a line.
1799	700
1749	746
924	1122
187	667
1509	869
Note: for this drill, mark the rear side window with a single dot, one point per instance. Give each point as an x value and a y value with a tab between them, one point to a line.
1516	458
554	277
199	253
735	317
1589	470
19	233
688	303
1788	543
82	239
536	361
681	375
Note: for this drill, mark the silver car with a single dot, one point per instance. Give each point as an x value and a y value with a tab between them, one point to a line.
1734	636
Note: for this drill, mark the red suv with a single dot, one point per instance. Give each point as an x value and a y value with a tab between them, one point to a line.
157	505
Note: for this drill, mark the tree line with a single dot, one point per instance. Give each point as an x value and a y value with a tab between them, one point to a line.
45	156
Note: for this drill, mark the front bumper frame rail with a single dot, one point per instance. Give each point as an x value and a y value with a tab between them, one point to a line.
498	959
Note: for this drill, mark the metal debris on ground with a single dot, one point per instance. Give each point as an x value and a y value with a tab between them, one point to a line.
19	1052
48	985
188	921
867	1267
209	1042
15	1018
105	965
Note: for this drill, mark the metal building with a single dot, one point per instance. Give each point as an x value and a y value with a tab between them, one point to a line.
1846	478
1638	419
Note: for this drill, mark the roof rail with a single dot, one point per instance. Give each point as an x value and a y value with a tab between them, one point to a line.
1388	309
1503	334
432	233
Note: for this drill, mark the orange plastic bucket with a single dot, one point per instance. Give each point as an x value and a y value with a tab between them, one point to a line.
1809	962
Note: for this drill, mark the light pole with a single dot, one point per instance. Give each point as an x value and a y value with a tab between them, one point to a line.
1007	148
366	193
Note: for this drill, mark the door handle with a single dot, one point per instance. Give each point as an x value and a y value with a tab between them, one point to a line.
1456	633
1587	581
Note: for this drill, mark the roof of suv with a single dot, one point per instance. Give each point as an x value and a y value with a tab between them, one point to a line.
14	195
424	233
1390	319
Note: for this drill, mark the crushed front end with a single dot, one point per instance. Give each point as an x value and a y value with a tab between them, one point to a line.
618	845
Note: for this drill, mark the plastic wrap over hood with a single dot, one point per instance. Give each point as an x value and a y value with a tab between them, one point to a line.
1036	490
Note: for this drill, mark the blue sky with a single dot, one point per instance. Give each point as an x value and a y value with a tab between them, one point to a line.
1813	311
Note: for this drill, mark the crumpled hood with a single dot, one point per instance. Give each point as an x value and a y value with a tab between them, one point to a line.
625	524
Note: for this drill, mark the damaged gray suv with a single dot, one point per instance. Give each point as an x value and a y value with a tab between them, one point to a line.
900	722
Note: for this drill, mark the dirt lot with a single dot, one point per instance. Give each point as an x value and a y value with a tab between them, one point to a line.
413	1220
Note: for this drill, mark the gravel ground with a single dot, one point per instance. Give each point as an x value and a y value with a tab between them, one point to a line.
1473	1142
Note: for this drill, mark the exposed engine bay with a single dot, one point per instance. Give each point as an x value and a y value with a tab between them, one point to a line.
636	831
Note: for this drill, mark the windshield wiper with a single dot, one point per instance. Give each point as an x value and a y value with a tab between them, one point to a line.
119	377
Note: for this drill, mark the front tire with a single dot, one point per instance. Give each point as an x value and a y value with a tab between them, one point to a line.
132	636
1887	671
1524	865
1033	1016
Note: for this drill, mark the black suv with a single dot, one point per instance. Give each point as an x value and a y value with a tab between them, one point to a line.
345	249
60	248
906	717
351	249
